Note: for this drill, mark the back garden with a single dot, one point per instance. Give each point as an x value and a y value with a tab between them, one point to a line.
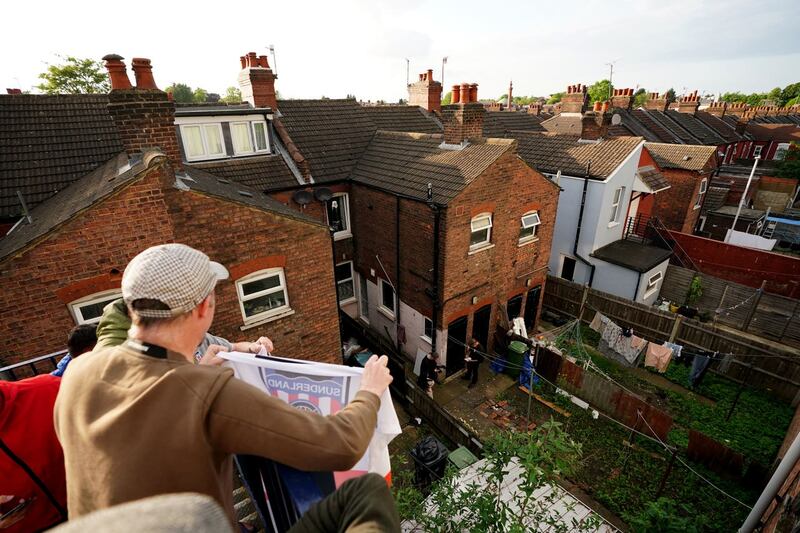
630	475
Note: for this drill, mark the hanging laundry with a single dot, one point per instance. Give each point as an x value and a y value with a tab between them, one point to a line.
725	364
677	352
699	365
324	389
629	347
611	334
657	357
598	324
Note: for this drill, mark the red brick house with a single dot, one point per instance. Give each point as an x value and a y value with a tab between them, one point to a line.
688	169
121	182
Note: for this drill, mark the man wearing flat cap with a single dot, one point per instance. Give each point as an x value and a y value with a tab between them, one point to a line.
142	419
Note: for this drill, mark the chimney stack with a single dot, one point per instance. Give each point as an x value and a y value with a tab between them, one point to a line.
535	109
689	103
595	123
656	102
144	116
455	95
510	101
463	121
622	99
426	93
257	81
717	109
737	108
13	91
575	101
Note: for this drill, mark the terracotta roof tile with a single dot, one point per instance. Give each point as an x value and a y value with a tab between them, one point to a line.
683	156
498	123
263	173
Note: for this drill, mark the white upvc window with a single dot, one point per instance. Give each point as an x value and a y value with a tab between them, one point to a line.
388	298
260	136
345	285
338	211
263	294
89	309
781	151
427	332
240	135
615	205
481	231
529	226
202	141
701	193
652	283
757	151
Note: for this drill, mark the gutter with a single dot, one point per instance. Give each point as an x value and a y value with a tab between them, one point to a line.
434	294
580	223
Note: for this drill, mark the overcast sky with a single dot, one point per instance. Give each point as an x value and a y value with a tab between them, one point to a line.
337	47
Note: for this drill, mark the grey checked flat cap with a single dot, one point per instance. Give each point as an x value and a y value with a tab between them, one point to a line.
176	275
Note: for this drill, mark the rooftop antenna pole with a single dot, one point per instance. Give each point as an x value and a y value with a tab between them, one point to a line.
741	201
444	62
25	212
408	68
611	77
274	61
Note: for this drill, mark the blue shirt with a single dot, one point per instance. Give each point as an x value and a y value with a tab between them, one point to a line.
61	366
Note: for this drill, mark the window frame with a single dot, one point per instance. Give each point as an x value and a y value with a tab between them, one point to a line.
391	313
266	136
757	149
351	279
256	276
427	338
345	233
202	127
533	236
650	287
74	306
701	192
363	297
616	203
782	150
249	130
488	229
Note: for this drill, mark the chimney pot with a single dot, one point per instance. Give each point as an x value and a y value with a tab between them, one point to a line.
456	95
473	92
117	72
605	107
143	72
596	107
430	74
244	62
465	93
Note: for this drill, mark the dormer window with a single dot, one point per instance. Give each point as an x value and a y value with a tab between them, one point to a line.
249	137
202	141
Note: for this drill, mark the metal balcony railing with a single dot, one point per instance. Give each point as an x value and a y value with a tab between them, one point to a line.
44	364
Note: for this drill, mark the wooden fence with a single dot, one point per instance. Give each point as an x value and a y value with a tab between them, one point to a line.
772	316
757	364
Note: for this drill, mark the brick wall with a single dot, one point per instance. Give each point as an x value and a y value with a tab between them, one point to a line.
90	253
462	121
312	332
495	274
101	240
675	206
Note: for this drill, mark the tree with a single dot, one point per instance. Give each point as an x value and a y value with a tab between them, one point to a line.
447	98
543	455
790	93
74	76
232	96
670	94
789	167
200	96
639	98
181	93
555	98
600	91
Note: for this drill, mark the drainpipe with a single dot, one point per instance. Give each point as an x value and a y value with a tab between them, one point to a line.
580	222
331	230
397	270
776	481
435	293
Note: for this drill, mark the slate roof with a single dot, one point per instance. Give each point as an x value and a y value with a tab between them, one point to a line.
777	119
331	134
774	132
498	123
696	128
662	134
224	189
404	163
681	156
408	118
632	255
723	129
48	142
73	199
666	121
551	152
715	198
263	173
652	178
630	126
730	211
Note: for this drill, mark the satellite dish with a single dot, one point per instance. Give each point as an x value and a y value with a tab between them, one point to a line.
302	197
323	194
616	119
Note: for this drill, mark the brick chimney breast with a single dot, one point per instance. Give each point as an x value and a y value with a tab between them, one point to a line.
575	101
426	93
143	115
622	99
257	81
689	103
656	102
463	121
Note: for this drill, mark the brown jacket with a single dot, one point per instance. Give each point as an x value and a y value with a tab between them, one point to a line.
134	426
